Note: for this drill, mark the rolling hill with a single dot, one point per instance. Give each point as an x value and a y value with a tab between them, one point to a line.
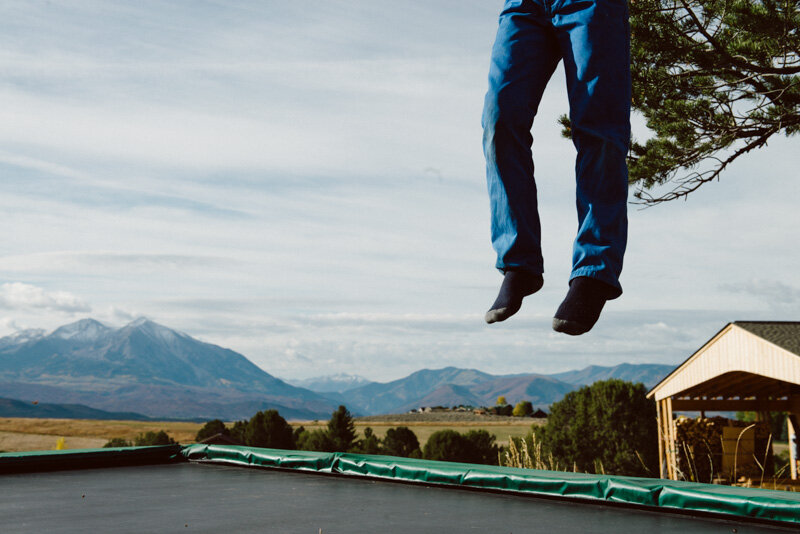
16	408
452	386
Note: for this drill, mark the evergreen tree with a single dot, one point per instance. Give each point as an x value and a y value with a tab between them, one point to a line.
238	431
607	427
342	430
714	79
268	429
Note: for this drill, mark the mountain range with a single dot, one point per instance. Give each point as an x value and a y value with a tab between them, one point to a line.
453	386
157	372
147	368
338	383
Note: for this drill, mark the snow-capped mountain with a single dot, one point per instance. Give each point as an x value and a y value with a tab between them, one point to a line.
22	336
83	330
148	368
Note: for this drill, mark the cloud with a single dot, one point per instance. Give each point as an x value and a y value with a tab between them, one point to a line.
775	294
306	187
20	296
76	261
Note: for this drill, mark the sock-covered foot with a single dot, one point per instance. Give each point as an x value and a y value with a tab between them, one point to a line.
516	286
582	306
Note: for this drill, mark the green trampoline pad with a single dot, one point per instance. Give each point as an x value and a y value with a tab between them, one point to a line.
174	495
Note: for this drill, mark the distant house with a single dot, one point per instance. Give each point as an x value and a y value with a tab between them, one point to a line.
539	414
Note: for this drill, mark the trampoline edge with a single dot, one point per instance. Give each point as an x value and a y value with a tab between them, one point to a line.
759	505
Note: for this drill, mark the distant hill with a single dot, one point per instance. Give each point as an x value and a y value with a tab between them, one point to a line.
16	408
377	398
452	386
147	368
648	373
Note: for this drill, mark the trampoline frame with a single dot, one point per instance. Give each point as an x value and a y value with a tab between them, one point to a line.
751	505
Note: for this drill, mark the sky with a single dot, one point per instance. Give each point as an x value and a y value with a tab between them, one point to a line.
303	182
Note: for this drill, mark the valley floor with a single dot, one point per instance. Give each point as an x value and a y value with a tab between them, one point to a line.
29	434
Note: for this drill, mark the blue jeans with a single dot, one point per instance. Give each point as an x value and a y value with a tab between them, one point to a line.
592	37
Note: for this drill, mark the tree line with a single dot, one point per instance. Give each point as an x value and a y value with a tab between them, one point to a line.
609	427
270	430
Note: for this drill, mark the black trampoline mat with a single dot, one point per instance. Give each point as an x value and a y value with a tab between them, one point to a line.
225	499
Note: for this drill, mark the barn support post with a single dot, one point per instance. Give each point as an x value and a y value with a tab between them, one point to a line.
673	439
662	431
668	429
661	464
792	424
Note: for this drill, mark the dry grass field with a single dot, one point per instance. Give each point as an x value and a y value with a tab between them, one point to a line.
24	434
502	428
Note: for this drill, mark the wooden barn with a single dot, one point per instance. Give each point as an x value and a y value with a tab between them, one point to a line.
751	366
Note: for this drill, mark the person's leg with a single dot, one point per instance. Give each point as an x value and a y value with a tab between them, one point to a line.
524	57
595	43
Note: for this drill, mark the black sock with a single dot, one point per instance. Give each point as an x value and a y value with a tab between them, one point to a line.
582	306
516	286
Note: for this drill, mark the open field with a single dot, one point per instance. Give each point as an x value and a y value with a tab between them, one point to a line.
423	425
19	441
28	434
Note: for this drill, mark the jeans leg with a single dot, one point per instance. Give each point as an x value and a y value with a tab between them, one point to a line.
595	43
524	57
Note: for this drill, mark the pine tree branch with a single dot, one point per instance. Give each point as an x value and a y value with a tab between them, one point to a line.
697	179
734	59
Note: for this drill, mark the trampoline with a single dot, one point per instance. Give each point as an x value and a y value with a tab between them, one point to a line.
208	488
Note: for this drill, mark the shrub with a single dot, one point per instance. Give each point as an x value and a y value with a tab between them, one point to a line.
476	446
400	441
315	440
212	428
446	445
117	442
608	427
152	438
370	444
482	447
